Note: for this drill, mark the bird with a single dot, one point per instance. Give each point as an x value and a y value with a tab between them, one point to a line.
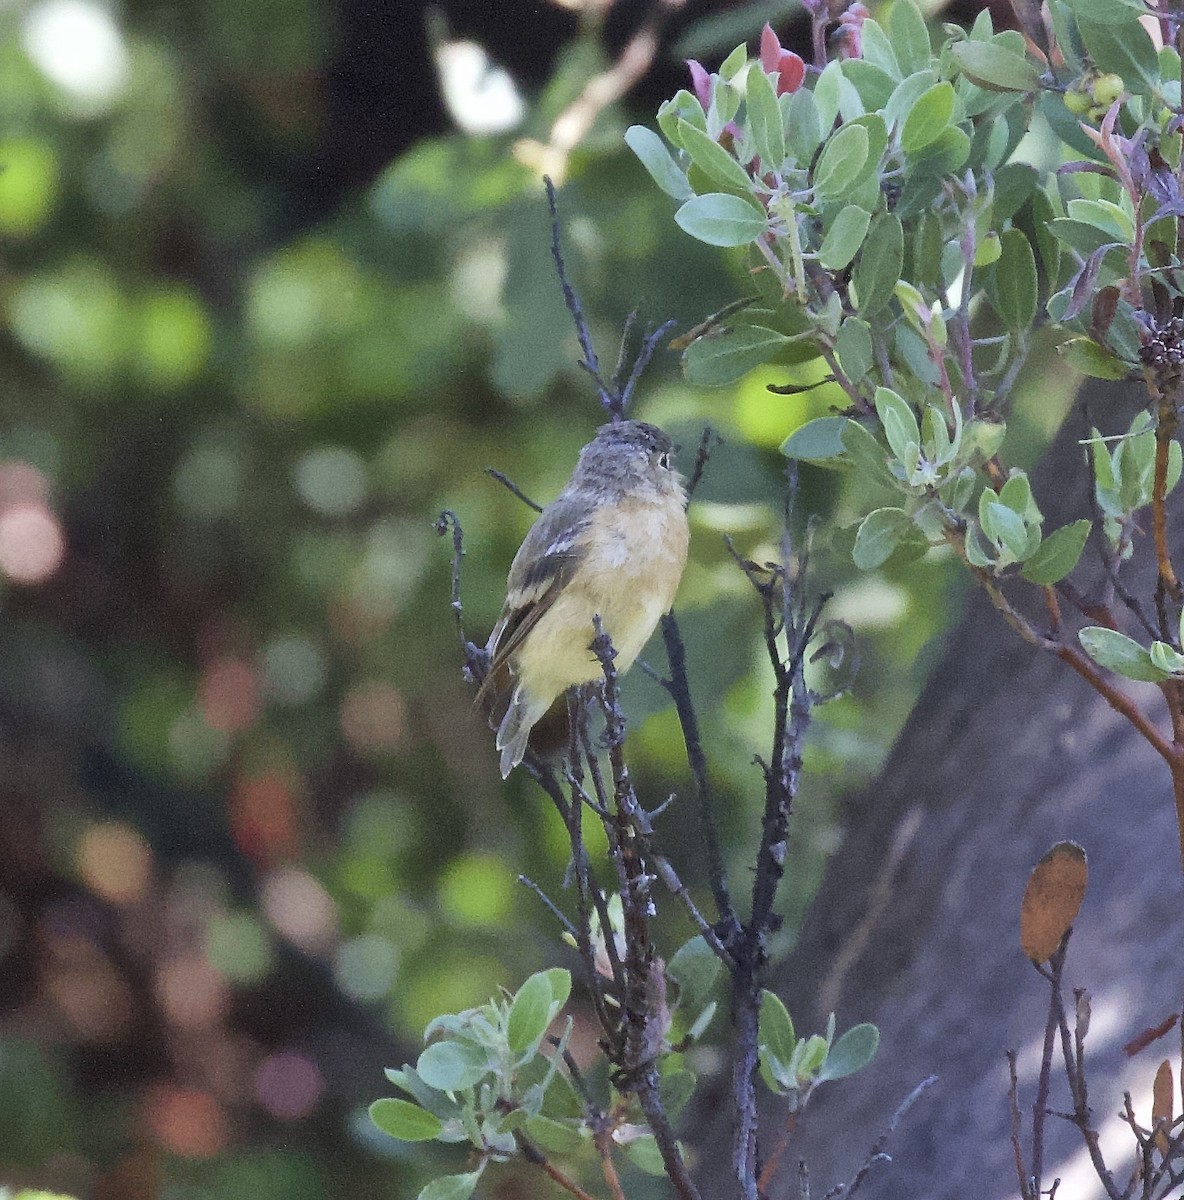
613	545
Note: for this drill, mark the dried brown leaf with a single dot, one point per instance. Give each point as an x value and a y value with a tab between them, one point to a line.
1161	1104
1052	900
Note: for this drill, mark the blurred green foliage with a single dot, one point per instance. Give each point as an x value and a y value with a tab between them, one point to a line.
235	708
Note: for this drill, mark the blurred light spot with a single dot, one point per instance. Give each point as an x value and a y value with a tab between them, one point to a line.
449	982
196	750
480	96
870	602
293	669
263	816
228	695
299	908
476	281
75	317
366	966
115	862
381	822
306	294
192	993
174	337
209	482
476	889
32	544
238	947
331	480
288	1085
85	986
402	924
396	556
186	1121
28	185
372	717
79	47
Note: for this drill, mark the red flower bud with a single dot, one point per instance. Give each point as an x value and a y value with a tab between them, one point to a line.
770	49
790	72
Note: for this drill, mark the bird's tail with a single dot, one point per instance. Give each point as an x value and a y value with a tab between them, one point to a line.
514	731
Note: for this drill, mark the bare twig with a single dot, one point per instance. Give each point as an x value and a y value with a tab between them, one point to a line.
512	487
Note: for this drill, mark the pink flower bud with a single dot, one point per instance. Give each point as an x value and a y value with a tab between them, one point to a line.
700	82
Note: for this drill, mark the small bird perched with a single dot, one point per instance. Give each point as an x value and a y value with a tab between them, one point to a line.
613	544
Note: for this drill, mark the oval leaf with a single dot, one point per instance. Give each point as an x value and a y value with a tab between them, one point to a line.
841	161
844	238
764	118
695	968
721	357
404	1120
530	1014
851	1053
994	67
928	119
879	534
451	1187
1015	284
1057	555
879	266
1120	654
1091	359
654	156
1052	900
775	1028
721	219
450	1066
819	440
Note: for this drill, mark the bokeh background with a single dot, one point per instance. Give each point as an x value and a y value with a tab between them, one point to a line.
275	289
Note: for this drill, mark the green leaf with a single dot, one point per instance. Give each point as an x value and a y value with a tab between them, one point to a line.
675	1089
877	49
1014	291
451	1187
1057	555
1108	12
802	123
644	1154
928	119
907	93
560	979
682	106
868	457
879	534
555	1137
1120	654
899	421
764	119
817	441
695	967
775	1029
1125	49
724	356
854	349
1003	524
844	238
852	1052
879	266
910	36
994	67
841	161
720	219
712	159
1014	183
530	1014
404	1120
1091	359
874	84
451	1065
1166	658
654	156
1110	218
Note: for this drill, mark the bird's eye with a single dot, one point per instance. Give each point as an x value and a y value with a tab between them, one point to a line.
664	461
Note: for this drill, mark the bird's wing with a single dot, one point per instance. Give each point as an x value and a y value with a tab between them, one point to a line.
545	562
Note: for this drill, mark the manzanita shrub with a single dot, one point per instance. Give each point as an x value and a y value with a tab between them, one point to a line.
895	231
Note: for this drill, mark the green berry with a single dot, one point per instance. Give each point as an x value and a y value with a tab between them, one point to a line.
1106	89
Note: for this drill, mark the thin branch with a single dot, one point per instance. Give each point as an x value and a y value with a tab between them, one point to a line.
511	486
549	904
534	1155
